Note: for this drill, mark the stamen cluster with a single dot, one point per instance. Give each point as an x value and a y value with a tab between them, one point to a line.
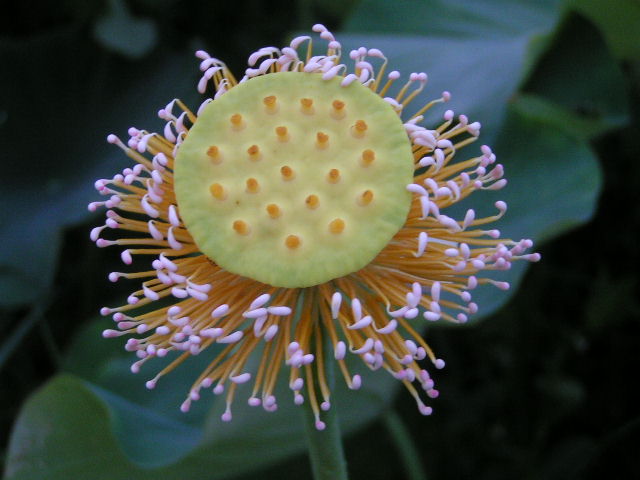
428	270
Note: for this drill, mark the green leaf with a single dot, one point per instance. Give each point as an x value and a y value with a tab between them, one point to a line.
471	49
598	98
53	137
554	184
144	432
63	432
618	22
120	32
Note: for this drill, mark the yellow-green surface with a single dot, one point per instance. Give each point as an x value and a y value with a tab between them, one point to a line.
262	254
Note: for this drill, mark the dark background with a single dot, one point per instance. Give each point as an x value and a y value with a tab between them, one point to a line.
546	388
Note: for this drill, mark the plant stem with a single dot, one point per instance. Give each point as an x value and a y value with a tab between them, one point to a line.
409	455
325	447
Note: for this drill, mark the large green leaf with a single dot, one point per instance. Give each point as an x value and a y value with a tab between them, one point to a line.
474	50
618	21
145	432
53	140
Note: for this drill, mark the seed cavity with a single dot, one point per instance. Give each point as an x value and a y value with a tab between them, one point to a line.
287	172
292	241
312	202
282	133
252	185
236	121
322	140
306	105
254	153
270	103
213	152
368	156
365	198
359	129
337	110
274	211
333	176
217	191
241	227
336	226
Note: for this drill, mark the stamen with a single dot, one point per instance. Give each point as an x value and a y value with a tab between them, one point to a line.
217	191
312	202
292	242
241	227
273	210
336	226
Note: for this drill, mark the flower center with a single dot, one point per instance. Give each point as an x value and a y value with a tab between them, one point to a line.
293	180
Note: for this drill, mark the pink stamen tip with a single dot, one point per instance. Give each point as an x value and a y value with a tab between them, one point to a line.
151	384
254	402
533	257
356	382
425	410
325	406
439	363
126	257
320	425
104	311
218	389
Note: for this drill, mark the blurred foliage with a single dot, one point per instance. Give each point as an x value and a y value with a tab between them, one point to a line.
538	391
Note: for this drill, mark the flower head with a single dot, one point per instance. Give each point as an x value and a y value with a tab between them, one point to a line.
300	206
